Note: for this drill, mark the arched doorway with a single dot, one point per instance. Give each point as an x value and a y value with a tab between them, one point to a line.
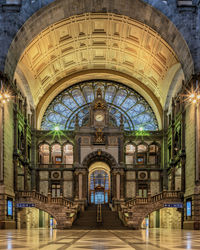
99	183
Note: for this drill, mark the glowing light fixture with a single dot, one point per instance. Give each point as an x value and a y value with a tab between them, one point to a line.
192	95
194	101
192	92
56	128
4	94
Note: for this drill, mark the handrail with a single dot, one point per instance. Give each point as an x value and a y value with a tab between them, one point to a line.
54	165
166	194
99	213
46	199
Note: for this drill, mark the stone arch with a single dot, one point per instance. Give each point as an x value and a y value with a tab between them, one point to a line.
46	209
99	155
61	9
148	209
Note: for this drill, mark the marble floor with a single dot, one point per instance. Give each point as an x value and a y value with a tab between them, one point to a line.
152	239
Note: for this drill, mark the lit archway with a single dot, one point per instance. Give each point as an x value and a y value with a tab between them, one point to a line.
99	183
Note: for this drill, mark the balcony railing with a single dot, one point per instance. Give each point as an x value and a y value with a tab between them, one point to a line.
53	165
27	195
152	199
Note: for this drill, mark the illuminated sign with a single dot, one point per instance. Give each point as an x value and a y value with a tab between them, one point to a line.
189	208
176	205
21	205
10	207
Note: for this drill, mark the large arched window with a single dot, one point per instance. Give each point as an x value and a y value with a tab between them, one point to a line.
56	154
130	154
44	153
68	154
121	100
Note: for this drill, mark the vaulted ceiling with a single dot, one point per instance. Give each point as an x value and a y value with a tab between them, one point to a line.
98	41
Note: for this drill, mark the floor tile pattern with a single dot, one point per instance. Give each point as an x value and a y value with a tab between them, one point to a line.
152	239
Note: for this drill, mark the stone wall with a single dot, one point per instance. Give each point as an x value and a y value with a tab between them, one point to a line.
130	184
7	184
155	183
43	185
165	218
68	184
32	218
190	150
8	149
170	218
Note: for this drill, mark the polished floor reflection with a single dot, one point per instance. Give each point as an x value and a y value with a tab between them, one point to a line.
152	239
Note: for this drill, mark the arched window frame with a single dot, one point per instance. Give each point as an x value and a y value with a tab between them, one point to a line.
156	154
63	146
40	156
141	157
130	157
56	159
136	111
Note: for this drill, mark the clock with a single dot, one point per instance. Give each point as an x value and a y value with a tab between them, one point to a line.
99	117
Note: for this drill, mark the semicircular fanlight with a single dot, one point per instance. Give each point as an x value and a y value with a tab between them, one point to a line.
121	100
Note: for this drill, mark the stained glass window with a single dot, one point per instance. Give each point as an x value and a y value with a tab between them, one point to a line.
76	100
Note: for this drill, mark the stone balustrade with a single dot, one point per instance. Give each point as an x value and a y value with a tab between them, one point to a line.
163	195
135	210
62	209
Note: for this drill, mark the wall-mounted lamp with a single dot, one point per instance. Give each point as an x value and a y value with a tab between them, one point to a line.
192	93
4	95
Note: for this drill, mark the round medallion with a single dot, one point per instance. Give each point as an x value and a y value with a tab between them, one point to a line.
142	175
55	174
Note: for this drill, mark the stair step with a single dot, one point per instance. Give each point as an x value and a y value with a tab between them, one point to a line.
87	219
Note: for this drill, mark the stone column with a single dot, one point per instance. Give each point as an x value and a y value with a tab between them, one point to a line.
1	143
164	153
172	148
122	183
197	128
113	185
172	178
121	150
50	160
76	186
80	186
118	186
77	151
62	160
34	160
26	177
15	174
85	184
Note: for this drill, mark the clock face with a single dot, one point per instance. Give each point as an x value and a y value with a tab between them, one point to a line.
99	117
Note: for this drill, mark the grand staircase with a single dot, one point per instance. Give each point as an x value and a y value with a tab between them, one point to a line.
131	213
88	219
134	211
62	209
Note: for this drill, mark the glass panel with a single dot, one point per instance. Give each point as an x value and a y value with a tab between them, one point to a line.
110	93
130	148
142	148
88	93
99	197
121	100
92	197
99	186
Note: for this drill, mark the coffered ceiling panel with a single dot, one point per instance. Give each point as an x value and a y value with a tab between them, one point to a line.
97	41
